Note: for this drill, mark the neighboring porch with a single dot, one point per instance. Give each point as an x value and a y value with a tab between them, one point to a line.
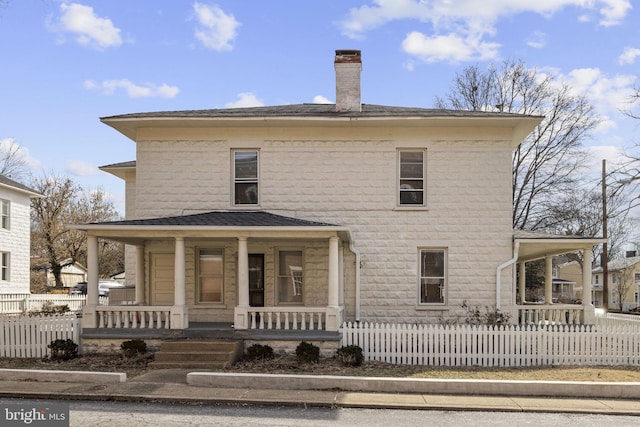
530	246
162	311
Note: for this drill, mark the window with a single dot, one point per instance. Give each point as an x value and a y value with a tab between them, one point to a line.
637	277
411	173
4	266
290	277
432	276
597	279
245	177
210	275
4	214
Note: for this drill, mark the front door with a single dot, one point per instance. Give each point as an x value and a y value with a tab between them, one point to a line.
256	280
162	279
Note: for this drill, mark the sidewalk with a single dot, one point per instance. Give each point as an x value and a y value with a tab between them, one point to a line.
170	385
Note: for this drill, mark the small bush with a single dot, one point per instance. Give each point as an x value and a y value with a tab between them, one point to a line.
259	352
133	347
307	353
350	355
48	308
63	349
490	317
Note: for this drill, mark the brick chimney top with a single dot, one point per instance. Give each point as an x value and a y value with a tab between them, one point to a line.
348	65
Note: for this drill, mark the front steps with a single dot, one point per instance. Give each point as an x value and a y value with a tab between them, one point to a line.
197	354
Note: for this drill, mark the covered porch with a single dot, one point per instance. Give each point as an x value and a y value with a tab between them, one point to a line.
532	246
173	294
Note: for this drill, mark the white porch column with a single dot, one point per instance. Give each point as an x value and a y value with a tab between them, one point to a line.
588	310
89	319
139	284
522	283
333	308
241	314
179	317
548	280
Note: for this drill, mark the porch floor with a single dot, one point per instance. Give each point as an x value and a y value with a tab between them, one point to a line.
210	330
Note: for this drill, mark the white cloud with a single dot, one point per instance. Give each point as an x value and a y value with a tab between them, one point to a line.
9	145
629	55
245	99
537	40
319	99
80	168
216	29
465	24
147	90
87	28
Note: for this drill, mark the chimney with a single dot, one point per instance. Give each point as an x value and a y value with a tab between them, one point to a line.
348	65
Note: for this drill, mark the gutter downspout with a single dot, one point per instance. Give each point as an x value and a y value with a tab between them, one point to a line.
357	255
516	248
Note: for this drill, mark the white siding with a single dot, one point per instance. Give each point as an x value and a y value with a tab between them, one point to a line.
16	241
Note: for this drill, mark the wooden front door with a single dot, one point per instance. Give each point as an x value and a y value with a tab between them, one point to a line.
162	279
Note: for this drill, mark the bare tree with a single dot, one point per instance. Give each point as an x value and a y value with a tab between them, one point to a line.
546	164
12	161
64	203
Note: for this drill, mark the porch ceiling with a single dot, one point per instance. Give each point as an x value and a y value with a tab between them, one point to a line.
533	246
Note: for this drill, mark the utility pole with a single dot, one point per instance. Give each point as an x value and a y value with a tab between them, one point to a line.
605	246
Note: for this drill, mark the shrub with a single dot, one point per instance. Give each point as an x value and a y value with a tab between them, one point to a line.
307	353
63	349
48	308
259	352
133	347
350	355
490	317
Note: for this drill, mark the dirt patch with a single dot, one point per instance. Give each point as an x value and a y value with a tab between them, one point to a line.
287	364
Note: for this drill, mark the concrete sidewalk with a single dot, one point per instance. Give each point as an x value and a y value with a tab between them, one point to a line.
170	385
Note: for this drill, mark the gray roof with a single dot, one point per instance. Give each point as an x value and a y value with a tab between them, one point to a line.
314	110
222	219
129	164
8	182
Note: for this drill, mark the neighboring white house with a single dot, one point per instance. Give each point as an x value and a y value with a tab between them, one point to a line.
15	237
350	211
623	283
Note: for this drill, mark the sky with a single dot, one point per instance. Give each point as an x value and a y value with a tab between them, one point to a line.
65	64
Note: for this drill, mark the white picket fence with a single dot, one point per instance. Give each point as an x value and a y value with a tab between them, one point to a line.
23	303
29	337
606	343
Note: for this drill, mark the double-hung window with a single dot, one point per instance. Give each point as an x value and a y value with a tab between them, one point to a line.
433	279
290	277
245	177
210	275
4	214
4	266
411	176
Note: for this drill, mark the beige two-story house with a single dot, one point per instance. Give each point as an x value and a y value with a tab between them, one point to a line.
305	216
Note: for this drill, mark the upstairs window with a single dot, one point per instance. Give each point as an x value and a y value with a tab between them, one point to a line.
433	278
411	173
4	266
245	177
4	214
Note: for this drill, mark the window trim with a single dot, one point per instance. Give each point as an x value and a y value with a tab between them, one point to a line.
235	181
445	278
5	266
399	179
198	276
277	275
5	218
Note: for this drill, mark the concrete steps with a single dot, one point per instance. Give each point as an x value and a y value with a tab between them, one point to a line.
197	354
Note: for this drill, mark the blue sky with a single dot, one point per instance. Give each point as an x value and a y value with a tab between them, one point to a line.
66	64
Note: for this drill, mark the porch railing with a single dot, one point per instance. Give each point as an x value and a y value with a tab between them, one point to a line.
554	314
132	317
297	318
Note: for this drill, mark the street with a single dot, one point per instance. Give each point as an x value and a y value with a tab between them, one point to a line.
110	414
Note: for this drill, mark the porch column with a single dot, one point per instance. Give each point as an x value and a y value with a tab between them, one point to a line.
242	309
89	318
179	317
333	308
522	283
588	310
139	284
548	280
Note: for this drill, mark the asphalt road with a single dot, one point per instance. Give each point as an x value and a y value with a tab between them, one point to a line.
115	414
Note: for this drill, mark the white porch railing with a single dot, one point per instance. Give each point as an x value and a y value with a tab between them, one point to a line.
296	318
554	314
133	316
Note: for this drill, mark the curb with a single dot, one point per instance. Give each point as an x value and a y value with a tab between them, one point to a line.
63	376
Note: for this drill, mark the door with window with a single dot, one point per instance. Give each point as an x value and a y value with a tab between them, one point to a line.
256	280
